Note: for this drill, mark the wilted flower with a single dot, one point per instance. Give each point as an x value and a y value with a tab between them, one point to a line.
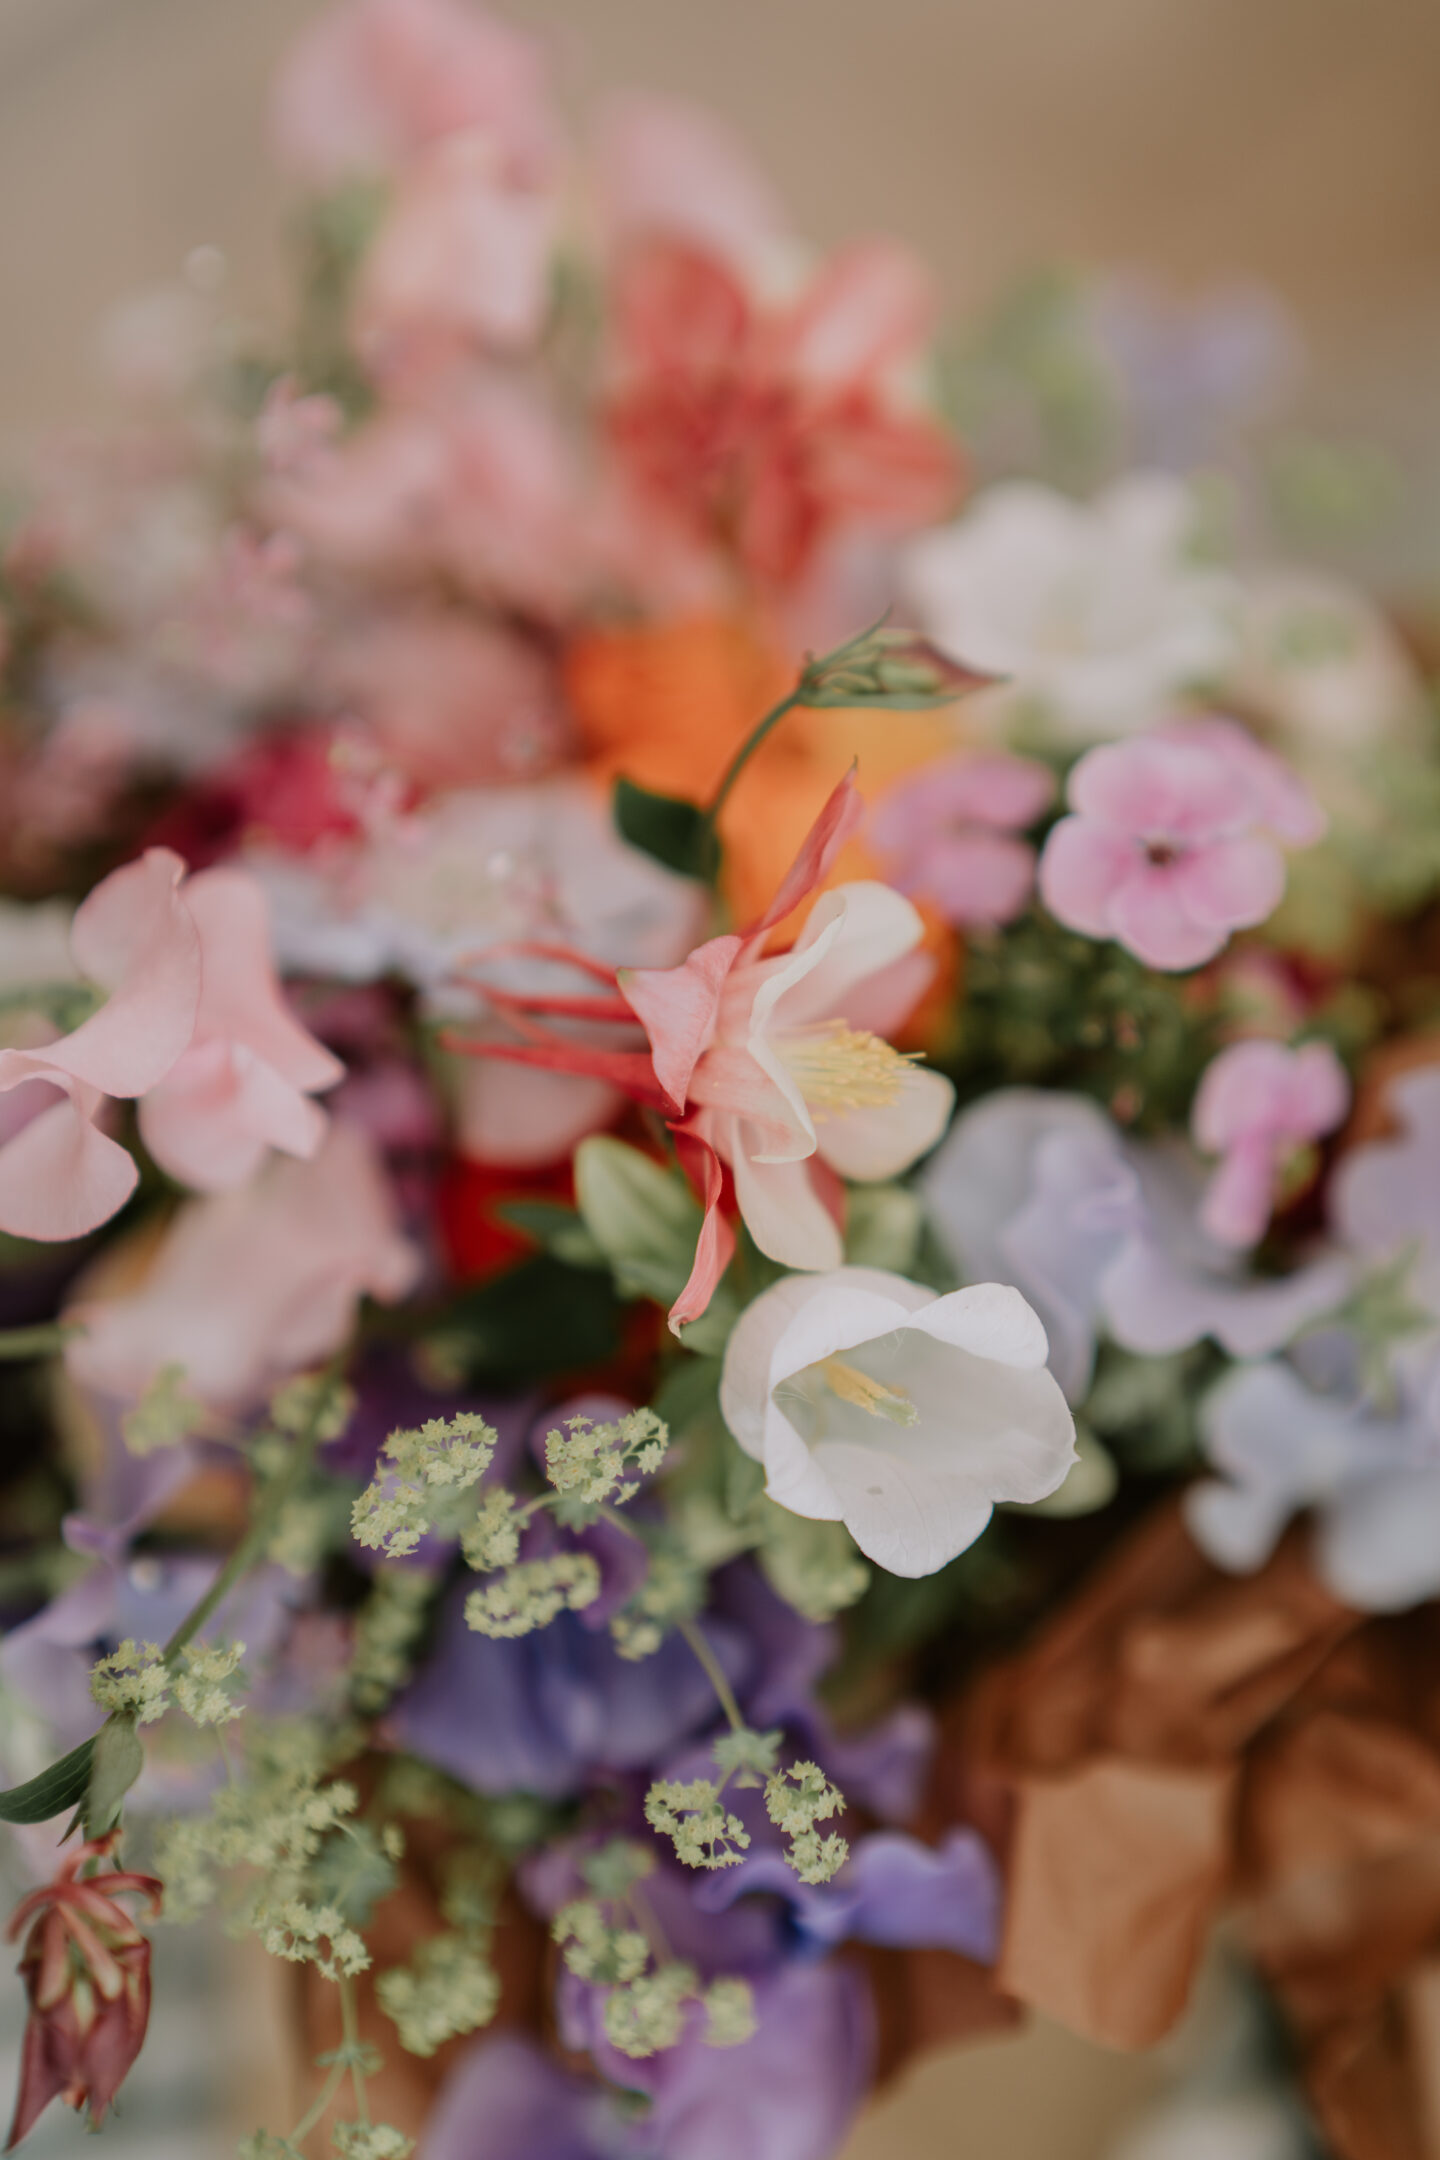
1096	613
86	1968
904	1415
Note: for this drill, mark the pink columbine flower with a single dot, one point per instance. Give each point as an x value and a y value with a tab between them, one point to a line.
60	1176
86	1968
1257	1103
949	834
243	1085
1171	841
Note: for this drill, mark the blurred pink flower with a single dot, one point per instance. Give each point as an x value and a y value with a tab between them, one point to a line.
135	938
765	431
461	261
374	81
947	834
243	1085
253	1285
1167	847
666	166
1256	1104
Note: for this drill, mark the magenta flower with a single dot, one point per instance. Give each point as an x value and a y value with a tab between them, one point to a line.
1171	841
1257	1103
948	834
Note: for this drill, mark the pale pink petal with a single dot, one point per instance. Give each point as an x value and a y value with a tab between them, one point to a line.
1081	868
1320	1092
1230	884
716	1243
61	1178
882	1143
975	877
734	1080
677	1007
1148	913
240	997
1236	1206
664	165
517	1115
135	937
1152	787
783	1211
873	304
883	1002
877	926
218	1112
1282	802
1244	1090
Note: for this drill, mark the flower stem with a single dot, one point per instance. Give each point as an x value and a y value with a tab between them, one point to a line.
714	1672
747	750
42	1341
318	2106
350	2025
263	1522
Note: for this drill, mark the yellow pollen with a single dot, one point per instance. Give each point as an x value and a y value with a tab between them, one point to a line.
837	1069
871	1396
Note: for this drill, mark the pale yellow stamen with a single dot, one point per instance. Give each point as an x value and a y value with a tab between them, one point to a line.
871	1396
837	1068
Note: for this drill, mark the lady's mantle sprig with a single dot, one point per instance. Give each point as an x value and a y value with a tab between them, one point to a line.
421	1473
608	1940
706	1834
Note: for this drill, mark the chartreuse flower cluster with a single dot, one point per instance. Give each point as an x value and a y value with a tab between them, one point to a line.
138	1682
610	1940
706	1834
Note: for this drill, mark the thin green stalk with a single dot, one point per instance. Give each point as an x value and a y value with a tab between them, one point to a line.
350	2024
714	1672
747	750
321	2101
42	1341
263	1522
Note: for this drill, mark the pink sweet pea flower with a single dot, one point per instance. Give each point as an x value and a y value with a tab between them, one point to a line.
1257	1104
666	166
60	1176
1168	846
765	432
948	834
243	1085
374	81
251	1286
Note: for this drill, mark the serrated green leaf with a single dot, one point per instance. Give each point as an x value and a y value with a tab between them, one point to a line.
672	831
60	1787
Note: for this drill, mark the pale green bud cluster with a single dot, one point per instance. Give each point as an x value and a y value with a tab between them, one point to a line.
316	1935
747	1756
370	2141
265	2145
729	2012
673	1590
597	1949
317	1404
795	1800
388	1627
165	1414
693	1816
591	1463
533	1593
651	2013
272	1825
492	1539
419	1472
134	1681
450	1987
201	1684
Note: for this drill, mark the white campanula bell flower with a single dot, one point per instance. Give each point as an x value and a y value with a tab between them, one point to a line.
906	1416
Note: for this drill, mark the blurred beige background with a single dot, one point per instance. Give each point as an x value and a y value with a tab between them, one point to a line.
1199	140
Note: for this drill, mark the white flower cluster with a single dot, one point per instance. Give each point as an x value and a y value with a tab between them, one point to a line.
419	1471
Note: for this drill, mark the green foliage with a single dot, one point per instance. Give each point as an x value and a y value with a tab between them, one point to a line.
538	1319
670	830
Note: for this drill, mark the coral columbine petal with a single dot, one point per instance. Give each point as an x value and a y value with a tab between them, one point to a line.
841	815
716	1242
677	1008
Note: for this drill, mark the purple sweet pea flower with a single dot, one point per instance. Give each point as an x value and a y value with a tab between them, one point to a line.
507	2100
1102	1233
892	1890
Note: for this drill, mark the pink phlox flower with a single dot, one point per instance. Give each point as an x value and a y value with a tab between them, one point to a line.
244	1083
1257	1103
949	834
372	82
1169	847
134	936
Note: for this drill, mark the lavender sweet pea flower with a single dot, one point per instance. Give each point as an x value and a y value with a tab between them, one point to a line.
507	2100
1372	1479
1385	1197
1101	1234
892	1890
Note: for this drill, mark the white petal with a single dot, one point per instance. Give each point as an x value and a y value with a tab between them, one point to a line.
869	1144
865	927
991	1321
784	1213
904	1519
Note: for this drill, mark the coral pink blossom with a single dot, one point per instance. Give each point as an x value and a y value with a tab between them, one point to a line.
243	1085
666	166
947	834
60	1176
251	1286
1257	1104
462	260
374	81
765	432
1168	846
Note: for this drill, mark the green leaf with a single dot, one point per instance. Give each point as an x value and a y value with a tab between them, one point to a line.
353	1872
560	1230
539	1318
62	1786
643	1217
117	1759
674	832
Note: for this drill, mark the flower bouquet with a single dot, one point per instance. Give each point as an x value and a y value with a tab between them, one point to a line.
719	1167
